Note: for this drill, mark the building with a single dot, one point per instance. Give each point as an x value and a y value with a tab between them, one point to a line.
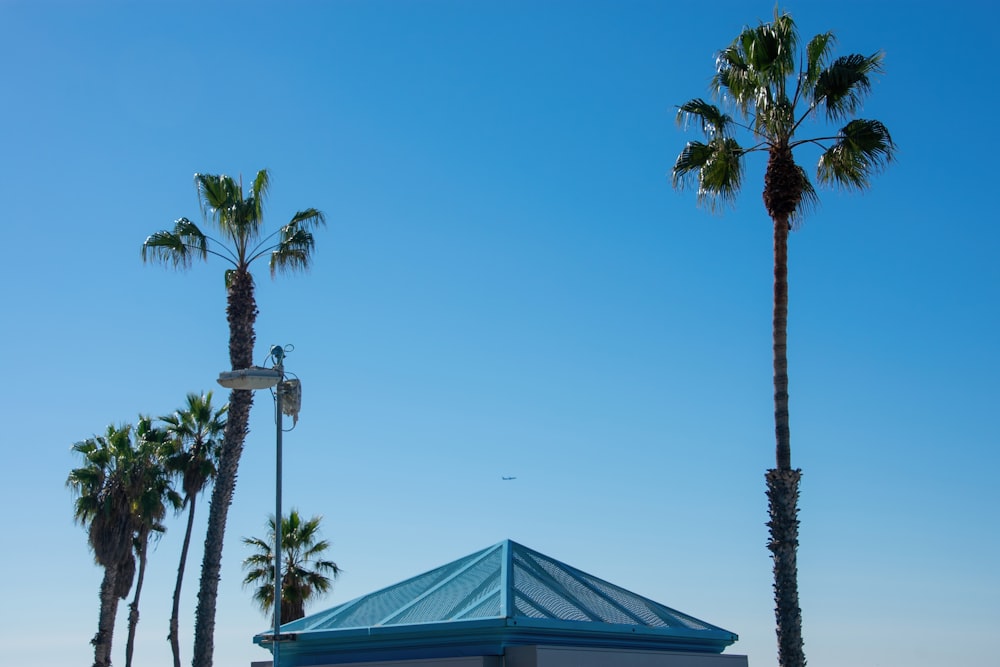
503	606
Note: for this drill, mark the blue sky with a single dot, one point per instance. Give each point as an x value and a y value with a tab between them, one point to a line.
508	285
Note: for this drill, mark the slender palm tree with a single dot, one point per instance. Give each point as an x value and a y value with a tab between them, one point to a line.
774	89
239	218
104	487
153	494
304	572
194	436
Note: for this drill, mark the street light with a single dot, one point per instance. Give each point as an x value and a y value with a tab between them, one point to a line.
254	378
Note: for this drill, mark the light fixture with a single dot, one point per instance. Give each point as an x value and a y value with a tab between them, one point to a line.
251	378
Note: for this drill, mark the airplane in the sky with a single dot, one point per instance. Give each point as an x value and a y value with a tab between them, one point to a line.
507	479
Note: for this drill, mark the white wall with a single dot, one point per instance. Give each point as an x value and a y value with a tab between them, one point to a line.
475	661
554	656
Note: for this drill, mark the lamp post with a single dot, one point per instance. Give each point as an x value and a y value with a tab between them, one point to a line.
264	378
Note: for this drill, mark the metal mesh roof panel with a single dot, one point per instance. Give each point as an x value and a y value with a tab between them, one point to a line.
510	583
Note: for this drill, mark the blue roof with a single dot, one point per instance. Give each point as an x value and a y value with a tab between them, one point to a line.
503	595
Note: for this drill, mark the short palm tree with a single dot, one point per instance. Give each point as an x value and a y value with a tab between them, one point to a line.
239	219
105	490
154	493
194	435
304	571
774	90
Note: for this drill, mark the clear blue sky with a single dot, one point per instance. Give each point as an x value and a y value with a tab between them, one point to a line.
508	285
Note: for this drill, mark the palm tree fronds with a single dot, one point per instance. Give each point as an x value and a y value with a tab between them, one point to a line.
733	78
817	52
774	118
718	166
759	57
192	236
239	218
307	218
166	247
260	188
753	70
304	571
315	549
178	246
690	161
863	148
125	576
808	202
193	440
842	87
217	193
771	47
294	250
713	122
296	243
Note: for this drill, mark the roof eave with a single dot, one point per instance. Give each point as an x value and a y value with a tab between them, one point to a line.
490	636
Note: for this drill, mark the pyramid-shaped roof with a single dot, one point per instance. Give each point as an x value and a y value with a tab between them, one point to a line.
500	596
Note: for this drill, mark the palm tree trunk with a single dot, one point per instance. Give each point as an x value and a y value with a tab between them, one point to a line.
241	312
173	635
783	496
782	434
106	619
782	194
292	610
133	613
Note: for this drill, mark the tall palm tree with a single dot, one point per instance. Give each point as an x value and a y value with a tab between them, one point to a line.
757	75
239	218
304	572
104	487
194	436
154	492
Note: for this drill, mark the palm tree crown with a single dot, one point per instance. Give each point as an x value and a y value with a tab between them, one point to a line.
104	493
239	219
305	572
757	76
195	434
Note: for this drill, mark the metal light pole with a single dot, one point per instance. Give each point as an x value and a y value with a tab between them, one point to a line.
278	354
265	378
